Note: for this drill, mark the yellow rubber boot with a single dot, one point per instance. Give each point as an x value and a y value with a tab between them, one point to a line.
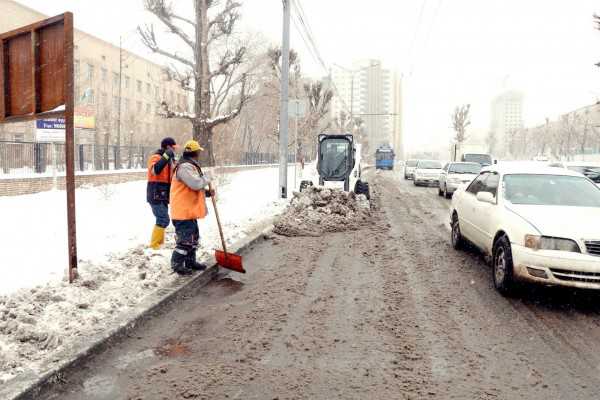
158	237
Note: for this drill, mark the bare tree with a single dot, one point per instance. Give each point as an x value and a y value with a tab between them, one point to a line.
491	141
460	121
212	69
315	121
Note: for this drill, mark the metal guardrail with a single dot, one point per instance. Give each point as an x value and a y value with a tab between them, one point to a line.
38	159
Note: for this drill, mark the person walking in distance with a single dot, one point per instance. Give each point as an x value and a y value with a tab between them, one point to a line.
189	190
160	170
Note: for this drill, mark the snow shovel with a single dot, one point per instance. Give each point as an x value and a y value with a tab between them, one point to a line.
225	259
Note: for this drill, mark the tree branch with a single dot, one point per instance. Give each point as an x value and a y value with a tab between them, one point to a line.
149	40
164	12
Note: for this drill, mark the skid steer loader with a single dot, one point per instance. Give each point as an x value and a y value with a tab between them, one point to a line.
338	165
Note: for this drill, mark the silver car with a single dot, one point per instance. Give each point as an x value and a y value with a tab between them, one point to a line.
455	174
427	172
409	169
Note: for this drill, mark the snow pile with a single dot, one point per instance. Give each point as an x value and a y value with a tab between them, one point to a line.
41	315
315	211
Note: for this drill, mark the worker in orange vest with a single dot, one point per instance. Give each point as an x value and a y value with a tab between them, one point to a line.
189	190
160	170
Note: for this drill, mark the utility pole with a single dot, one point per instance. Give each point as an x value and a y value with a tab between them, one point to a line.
283	114
118	148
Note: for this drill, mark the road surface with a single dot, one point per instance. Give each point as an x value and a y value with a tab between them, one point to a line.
387	312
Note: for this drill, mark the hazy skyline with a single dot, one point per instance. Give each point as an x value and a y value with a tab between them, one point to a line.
462	52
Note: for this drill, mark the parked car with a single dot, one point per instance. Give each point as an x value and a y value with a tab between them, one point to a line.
482	159
538	224
455	174
427	172
409	169
590	170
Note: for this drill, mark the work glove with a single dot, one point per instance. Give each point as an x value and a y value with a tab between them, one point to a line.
169	155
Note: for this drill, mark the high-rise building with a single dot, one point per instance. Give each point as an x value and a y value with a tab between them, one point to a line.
506	118
373	94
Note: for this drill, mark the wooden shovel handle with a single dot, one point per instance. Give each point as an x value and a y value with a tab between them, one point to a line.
214	202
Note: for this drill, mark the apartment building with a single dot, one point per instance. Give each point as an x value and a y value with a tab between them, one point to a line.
115	90
373	94
506	117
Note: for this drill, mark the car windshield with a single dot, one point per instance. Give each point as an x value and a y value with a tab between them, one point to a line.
551	190
483	159
411	163
591	172
464	168
429	165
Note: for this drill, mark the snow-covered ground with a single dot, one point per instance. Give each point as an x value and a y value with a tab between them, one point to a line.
40	311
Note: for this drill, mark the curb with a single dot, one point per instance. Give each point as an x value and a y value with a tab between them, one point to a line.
29	385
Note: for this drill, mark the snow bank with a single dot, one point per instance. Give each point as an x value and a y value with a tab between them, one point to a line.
40	313
315	211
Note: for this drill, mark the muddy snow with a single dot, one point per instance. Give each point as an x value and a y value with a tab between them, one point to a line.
42	320
315	211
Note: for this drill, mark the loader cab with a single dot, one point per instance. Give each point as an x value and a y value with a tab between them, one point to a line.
336	159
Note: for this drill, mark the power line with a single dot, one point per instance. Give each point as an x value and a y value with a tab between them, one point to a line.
414	40
310	42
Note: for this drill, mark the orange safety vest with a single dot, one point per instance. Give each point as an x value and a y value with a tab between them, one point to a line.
165	174
186	203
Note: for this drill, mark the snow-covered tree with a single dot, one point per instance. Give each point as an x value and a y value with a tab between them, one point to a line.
212	67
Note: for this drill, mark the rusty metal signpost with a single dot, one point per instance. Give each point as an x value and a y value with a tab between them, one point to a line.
36	81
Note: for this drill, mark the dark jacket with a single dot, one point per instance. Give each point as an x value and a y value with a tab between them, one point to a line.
159	178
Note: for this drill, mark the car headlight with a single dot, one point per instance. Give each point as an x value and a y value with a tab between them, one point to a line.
551	243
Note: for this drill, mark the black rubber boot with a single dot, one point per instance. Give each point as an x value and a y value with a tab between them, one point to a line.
192	263
178	261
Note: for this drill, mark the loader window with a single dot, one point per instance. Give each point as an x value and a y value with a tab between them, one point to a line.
335	159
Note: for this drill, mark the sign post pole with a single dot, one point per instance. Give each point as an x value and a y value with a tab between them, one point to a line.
70	146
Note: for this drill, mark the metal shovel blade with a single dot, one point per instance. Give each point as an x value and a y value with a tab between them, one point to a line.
229	261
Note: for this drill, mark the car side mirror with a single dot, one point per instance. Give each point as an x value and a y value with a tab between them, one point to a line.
486	197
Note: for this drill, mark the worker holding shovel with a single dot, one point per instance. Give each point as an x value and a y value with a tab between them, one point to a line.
189	189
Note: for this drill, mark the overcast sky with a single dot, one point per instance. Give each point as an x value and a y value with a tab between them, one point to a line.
450	51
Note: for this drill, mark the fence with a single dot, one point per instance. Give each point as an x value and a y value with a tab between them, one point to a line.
38	159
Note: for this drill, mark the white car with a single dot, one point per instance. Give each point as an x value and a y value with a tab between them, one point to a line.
409	169
455	174
537	223
427	172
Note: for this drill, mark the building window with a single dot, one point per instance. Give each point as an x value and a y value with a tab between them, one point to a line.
126	82
148	88
116	104
104	99
139	106
19	137
156	91
139	86
164	97
148	108
90	96
126	105
104	74
76	67
90	72
115	79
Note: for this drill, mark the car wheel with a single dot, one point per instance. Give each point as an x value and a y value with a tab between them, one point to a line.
503	266
415	182
405	177
458	242
440	191
446	194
